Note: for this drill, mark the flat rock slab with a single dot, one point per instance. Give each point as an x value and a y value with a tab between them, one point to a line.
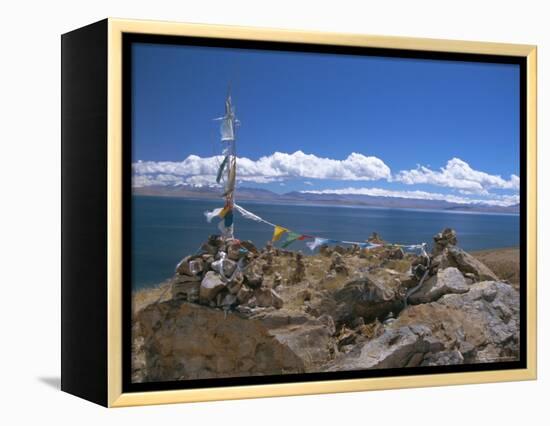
181	340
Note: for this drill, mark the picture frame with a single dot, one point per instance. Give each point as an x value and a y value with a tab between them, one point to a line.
97	211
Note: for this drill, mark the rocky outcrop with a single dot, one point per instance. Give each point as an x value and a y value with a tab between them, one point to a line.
235	310
181	340
482	324
445	254
396	348
445	281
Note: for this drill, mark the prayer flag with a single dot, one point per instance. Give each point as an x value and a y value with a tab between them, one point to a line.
278	232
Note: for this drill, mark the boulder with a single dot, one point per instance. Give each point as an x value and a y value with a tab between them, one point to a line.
453	357
463	261
469	264
482	324
367	297
211	285
179	341
395	348
448	280
186	287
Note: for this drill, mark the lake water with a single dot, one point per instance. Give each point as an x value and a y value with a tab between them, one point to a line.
168	229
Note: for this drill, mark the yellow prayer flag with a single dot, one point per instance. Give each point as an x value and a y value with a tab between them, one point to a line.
224	211
278	232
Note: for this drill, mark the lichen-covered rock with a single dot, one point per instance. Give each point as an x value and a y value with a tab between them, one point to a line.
448	280
395	348
482	324
181	341
453	357
367	297
186	287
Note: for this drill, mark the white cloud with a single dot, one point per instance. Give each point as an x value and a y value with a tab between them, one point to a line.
495	200
276	167
457	174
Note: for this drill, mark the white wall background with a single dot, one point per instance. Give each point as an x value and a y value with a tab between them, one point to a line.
30	212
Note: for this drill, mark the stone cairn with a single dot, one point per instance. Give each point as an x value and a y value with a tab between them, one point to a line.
226	274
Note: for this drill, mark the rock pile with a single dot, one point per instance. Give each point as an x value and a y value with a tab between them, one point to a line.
237	310
227	274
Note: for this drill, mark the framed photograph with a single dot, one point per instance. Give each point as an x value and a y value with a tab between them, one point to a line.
254	212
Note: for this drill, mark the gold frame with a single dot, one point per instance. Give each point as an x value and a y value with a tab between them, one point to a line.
116	27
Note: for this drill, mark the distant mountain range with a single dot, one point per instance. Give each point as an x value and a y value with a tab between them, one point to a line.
256	194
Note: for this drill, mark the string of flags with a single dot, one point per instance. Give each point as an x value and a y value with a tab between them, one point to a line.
291	236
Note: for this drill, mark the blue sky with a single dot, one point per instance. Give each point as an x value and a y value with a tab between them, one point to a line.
420	126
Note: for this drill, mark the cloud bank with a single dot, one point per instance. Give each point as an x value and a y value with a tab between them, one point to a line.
276	167
469	186
457	174
496	200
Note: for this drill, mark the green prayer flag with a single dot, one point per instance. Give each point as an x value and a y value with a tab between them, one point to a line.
290	238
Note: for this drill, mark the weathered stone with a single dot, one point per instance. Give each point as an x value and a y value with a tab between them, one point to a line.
396	253
337	264
234	251
211	285
186	287
453	357
339	249
224	266
328	322
375	238
304	335
367	297
234	287
182	267
244	295
208	248
248	245
181	341
325	250
304	295
228	301
469	264
444	239
266	297
252	278
299	270
448	280
277	279
482	323
395	348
